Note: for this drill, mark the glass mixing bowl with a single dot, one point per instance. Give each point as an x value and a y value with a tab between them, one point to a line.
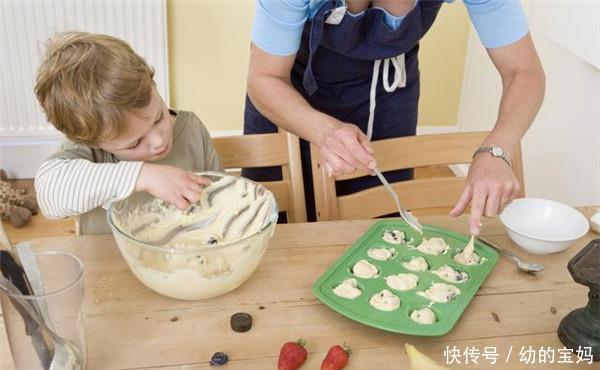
195	265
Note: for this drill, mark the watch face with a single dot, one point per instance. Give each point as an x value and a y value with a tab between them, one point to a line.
497	152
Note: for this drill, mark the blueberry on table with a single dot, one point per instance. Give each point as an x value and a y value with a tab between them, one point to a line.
219	358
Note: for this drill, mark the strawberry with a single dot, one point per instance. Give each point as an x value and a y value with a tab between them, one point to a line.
337	358
292	355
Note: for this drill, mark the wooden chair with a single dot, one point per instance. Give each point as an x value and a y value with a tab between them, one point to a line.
402	153
266	150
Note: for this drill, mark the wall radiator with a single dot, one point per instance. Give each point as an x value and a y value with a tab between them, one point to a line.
25	25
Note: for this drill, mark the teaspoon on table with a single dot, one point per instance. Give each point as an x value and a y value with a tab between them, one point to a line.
521	265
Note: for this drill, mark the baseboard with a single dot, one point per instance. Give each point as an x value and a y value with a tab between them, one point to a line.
421	130
428	130
222	133
21	157
459	170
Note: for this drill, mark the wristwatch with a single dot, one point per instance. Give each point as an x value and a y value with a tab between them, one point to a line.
495	151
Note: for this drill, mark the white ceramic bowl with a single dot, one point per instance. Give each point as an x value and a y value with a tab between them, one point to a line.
543	226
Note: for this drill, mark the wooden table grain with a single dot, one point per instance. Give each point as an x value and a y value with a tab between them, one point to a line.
131	327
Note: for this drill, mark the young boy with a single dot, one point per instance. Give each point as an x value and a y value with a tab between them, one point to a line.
121	136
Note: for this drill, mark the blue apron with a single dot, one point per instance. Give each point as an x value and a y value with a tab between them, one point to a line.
337	70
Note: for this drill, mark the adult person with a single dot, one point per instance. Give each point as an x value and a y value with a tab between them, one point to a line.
342	73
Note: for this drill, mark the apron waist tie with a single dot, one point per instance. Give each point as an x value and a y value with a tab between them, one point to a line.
399	81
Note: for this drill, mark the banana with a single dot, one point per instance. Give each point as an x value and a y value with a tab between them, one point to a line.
418	361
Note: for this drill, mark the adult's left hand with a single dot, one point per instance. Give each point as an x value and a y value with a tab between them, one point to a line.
491	185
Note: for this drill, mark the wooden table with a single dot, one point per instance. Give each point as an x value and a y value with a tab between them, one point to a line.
129	326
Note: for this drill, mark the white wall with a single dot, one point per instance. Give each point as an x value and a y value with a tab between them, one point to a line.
562	149
25	25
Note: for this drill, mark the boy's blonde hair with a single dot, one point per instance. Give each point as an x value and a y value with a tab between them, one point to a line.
88	82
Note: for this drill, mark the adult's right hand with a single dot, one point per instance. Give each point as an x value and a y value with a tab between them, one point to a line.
344	148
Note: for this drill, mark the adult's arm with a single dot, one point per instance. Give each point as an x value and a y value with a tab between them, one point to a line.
491	183
276	35
343	147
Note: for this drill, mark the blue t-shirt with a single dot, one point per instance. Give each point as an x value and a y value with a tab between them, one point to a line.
278	24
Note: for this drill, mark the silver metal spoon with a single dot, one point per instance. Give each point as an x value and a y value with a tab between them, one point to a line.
66	354
521	265
411	220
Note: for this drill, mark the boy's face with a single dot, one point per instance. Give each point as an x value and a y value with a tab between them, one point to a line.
148	136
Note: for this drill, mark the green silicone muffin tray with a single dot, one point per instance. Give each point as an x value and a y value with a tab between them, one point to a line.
399	321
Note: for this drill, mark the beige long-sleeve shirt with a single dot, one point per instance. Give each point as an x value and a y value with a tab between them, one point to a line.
79	180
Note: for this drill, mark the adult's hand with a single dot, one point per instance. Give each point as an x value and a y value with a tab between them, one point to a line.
344	148
491	185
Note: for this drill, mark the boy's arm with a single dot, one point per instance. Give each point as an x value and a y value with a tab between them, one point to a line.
72	183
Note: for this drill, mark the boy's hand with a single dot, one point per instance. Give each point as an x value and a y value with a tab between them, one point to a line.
171	184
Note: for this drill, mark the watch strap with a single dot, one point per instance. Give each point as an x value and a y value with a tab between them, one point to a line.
490	150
